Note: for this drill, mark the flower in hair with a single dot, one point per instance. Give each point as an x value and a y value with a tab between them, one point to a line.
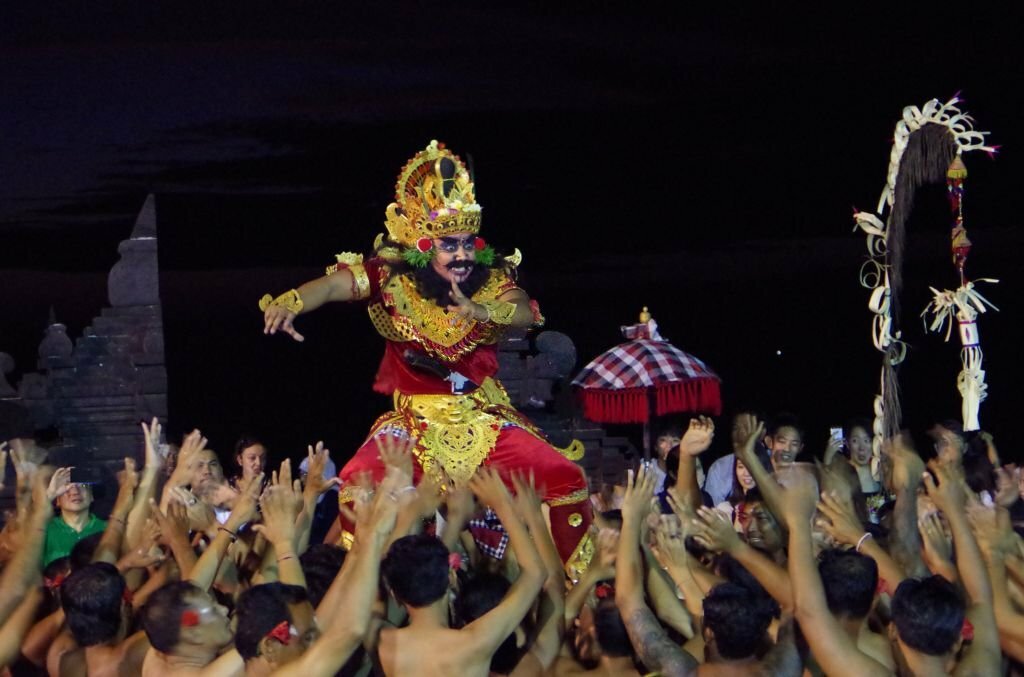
189	618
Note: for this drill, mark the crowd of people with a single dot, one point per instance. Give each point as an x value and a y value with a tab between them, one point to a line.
766	565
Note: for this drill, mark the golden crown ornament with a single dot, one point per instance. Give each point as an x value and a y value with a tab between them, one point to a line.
433	198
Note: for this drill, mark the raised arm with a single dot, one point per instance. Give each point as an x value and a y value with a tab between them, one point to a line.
109	547
844	526
904	537
22	572
146	489
361	571
513	308
16	626
715	532
205	570
948	495
550	628
491	629
835	651
649	639
280	506
279	313
750	430
695	441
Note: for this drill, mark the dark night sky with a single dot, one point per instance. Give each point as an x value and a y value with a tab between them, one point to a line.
704	164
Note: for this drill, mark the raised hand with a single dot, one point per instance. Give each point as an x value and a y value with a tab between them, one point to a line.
246	504
748	430
1007	482
843	524
713	530
193	443
396	451
948	495
669	546
315	482
280	507
526	500
907	466
798	498
681	508
636	502
59	483
128	479
487	486
937	548
151	433
174	526
697	437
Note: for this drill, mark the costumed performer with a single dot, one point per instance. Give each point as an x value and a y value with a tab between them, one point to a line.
442	298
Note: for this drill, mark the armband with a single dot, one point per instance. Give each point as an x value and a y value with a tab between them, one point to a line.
499	312
290	301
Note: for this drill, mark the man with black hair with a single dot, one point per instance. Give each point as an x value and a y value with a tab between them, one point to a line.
276	624
442	299
96	603
320	564
189	629
850	580
416	570
784	439
735	623
75	522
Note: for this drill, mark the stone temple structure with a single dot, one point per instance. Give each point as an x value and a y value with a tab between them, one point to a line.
95	390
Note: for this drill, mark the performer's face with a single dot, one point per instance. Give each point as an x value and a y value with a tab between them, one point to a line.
454	256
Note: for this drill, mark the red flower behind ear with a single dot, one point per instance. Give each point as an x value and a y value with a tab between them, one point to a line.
282	632
479	243
189	618
604	591
424	244
967	632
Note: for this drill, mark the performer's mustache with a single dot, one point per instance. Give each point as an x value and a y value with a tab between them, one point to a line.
459	264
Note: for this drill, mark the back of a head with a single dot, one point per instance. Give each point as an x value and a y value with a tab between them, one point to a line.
321	563
929	614
93	599
850	580
611	631
161	615
82	552
479	594
416	570
260	609
738	618
734	572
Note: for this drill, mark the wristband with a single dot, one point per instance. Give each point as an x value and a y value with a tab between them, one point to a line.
499	312
866	536
290	301
233	535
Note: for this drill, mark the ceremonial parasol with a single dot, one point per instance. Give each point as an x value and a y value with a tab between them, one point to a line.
621	384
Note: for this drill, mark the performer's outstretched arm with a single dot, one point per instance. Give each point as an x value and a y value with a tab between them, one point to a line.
513	308
281	312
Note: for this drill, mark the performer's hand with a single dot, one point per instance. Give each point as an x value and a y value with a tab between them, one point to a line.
276	317
464	307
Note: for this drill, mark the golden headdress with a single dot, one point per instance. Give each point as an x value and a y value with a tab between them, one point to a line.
433	198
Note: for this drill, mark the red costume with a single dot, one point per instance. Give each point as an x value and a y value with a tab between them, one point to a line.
457	428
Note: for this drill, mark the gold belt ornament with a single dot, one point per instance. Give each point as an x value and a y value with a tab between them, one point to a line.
456	431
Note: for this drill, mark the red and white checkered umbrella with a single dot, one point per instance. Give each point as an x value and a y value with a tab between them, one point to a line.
617	385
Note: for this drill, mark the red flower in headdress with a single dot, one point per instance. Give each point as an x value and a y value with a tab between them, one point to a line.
424	244
282	632
479	243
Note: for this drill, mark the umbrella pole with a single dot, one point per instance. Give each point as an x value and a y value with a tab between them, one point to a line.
647	426
647	440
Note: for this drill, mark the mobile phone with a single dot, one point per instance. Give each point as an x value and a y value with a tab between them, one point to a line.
836	434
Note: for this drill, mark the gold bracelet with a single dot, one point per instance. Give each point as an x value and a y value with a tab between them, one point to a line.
499	312
290	301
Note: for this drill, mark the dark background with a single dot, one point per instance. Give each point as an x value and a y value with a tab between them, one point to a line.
703	164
